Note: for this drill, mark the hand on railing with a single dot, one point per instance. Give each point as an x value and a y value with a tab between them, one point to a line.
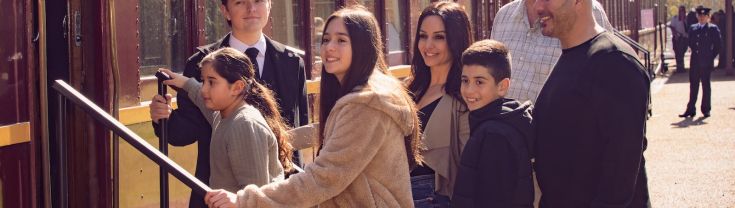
176	80
160	107
221	199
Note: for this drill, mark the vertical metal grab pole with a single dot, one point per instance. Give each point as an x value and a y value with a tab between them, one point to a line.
663	9
163	142
61	144
661	36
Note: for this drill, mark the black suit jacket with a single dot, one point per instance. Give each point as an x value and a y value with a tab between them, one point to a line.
283	72
187	125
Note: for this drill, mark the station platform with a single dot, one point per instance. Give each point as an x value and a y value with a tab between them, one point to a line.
691	161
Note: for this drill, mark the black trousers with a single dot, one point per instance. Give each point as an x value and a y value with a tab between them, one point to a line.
680	48
697	75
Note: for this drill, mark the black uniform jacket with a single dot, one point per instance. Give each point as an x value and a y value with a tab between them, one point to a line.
705	42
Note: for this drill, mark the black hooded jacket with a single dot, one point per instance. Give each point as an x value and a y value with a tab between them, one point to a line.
495	169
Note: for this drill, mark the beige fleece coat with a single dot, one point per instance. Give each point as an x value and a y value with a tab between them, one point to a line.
363	161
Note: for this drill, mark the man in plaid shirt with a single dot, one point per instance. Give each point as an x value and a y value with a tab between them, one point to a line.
533	54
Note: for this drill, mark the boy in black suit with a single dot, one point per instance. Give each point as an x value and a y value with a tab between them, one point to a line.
277	67
495	169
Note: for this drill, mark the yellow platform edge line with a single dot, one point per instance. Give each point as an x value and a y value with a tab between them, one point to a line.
15	134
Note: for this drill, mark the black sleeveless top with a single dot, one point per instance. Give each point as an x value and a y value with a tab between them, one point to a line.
424	115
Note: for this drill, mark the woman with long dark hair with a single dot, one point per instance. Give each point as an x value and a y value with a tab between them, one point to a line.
368	135
443	33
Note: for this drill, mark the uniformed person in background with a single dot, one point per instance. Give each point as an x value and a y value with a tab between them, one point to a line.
705	42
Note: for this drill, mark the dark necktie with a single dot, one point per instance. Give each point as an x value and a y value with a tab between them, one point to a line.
252	54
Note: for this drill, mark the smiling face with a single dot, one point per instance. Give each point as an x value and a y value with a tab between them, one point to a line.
247	15
433	44
479	87
218	94
557	16
336	49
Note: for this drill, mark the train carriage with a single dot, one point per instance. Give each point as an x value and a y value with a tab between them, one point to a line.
52	154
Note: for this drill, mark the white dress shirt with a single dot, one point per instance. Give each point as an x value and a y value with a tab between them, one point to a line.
533	54
260	45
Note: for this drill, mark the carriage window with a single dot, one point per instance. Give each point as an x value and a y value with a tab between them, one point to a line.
321	11
423	4
467	6
285	19
162	36
369	4
396	34
215	25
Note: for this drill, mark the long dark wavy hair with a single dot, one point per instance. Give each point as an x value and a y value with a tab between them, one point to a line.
365	38
458	37
235	66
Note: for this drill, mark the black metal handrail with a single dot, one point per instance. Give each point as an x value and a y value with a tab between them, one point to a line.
639	47
67	92
129	136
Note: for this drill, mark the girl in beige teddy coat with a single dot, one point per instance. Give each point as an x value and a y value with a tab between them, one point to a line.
370	135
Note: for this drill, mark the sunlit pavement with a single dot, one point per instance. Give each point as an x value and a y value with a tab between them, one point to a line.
691	162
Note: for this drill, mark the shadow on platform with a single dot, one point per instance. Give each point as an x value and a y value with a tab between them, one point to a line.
689	122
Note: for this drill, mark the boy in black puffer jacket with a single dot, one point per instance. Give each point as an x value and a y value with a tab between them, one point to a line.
495	168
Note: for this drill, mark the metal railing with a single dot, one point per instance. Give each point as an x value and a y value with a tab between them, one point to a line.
648	64
167	165
66	92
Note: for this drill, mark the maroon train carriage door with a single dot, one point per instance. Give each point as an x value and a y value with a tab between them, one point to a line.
16	68
88	144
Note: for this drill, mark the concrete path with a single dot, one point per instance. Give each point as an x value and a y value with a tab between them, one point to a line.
691	162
